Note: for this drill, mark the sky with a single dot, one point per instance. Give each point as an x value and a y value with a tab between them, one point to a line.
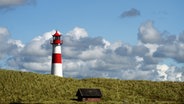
124	39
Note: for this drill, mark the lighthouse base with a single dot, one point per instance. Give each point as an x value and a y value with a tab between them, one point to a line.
57	70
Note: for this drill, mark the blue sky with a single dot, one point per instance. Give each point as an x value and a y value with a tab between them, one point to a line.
143	38
98	17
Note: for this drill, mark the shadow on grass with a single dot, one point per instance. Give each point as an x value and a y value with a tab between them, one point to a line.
74	99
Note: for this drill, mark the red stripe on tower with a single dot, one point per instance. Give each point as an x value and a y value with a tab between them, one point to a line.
56	58
56	68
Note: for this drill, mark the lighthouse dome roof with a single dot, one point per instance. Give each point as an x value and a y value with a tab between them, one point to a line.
57	34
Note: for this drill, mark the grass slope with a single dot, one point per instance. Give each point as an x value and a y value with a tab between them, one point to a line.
26	87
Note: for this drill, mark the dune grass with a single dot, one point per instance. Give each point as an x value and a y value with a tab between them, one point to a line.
27	87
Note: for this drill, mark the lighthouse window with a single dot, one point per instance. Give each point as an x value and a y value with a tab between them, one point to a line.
56	38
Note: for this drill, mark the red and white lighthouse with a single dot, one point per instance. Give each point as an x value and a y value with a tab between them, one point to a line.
56	68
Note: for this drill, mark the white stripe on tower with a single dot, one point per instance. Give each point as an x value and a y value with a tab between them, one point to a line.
56	68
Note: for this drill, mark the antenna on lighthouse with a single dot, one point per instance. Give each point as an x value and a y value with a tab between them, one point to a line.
56	67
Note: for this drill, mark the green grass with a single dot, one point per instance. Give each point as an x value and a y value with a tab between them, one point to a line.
27	87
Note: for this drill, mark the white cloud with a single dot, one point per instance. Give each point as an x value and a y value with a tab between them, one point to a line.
175	74
11	2
18	43
137	75
34	56
84	56
152	48
168	73
106	43
8	47
3	32
139	59
115	45
161	69
5	4
78	33
174	51
92	53
148	34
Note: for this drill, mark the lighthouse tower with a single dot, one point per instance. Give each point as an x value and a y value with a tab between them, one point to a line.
56	68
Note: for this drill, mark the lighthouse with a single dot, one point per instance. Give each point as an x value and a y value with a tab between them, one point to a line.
56	67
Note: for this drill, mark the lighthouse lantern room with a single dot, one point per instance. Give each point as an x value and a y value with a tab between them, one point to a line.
56	67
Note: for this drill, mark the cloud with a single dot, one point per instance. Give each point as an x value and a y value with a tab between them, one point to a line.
78	33
85	56
181	37
8	46
4	33
161	69
173	51
34	56
7	4
131	13
172	47
170	73
148	34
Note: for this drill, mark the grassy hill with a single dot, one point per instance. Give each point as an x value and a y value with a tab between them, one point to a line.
26	87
